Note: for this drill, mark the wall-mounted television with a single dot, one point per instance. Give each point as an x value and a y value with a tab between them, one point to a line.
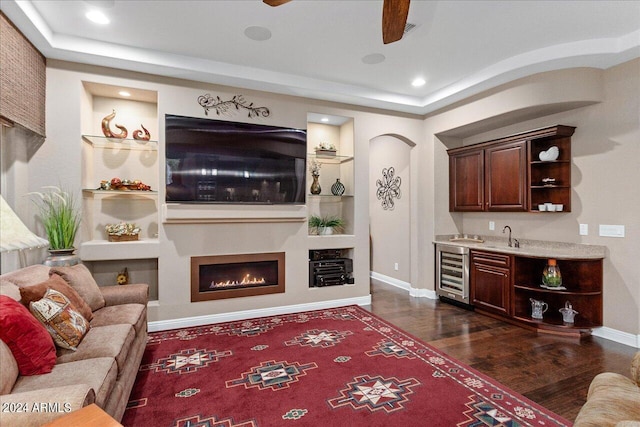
217	161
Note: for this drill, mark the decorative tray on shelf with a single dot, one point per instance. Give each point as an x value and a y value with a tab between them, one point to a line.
123	237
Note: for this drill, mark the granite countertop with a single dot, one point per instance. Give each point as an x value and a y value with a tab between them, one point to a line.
530	248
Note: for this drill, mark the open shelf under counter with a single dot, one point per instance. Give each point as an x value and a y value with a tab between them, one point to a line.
120	143
99	250
564	291
332	241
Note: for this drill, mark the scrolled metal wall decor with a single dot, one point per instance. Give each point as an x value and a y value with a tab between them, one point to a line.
388	188
208	102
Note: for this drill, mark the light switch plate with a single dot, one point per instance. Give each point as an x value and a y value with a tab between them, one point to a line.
584	229
492	225
611	230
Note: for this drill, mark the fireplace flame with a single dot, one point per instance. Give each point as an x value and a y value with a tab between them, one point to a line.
246	280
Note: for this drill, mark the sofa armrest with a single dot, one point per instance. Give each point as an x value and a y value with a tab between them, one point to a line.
37	407
125	294
635	369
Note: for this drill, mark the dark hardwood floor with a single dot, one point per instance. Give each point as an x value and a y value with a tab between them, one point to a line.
554	372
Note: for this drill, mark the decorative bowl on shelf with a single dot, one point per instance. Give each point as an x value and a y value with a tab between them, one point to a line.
550	155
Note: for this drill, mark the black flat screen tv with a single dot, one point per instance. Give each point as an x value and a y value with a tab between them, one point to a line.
216	161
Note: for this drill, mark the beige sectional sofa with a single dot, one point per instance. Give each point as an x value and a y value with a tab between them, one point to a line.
613	400
102	370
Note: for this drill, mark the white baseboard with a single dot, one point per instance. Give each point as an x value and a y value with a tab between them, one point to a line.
414	292
163	325
617	336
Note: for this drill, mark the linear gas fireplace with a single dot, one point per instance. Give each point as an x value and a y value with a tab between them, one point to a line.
230	276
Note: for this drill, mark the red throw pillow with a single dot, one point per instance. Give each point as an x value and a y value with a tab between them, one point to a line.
29	341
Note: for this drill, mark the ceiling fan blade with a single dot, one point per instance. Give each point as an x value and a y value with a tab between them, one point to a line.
394	19
275	3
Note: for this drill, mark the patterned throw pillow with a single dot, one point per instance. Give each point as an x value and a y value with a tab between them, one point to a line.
32	293
61	319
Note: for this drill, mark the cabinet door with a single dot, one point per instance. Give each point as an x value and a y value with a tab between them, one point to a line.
505	177
490	282
466	182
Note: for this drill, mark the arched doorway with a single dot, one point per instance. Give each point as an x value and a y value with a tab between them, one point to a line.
390	210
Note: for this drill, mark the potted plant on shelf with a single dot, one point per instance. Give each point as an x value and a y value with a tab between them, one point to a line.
61	219
326	225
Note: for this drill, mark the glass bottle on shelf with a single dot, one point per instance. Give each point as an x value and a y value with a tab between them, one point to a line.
551	277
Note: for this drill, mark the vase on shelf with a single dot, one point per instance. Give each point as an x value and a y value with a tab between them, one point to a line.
337	189
551	277
315	185
62	258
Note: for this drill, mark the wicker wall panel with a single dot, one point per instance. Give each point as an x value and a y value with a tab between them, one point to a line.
22	79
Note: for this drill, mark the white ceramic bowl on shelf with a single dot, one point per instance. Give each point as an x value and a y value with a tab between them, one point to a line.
549	155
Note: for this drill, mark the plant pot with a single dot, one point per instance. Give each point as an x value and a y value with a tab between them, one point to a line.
62	258
325	231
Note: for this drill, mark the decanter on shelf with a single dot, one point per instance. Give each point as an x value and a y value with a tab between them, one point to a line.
551	277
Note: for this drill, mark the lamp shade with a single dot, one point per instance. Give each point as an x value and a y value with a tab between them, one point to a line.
14	235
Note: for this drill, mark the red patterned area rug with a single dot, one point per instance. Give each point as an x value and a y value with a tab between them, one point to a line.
335	367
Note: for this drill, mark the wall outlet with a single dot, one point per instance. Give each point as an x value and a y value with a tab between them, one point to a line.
584	229
395	266
611	230
492	225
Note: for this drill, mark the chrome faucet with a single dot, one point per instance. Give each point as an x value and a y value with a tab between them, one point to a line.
503	230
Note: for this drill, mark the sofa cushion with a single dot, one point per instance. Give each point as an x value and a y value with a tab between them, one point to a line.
65	399
8	369
128	314
29	294
104	341
30	343
99	373
80	279
9	289
62	320
28	275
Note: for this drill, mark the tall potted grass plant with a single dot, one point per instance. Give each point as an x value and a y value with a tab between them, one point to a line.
60	217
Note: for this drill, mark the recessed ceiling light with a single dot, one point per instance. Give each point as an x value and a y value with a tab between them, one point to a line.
324	119
374	58
259	34
417	82
97	17
124	93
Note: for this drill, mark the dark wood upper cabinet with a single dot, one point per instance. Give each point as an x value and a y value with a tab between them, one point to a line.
507	174
506	177
466	181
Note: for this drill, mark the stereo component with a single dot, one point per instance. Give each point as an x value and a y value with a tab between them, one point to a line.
330	272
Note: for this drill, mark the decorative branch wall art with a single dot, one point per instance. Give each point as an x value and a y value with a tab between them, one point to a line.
208	102
388	188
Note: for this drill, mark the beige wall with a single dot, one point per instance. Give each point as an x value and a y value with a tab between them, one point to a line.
391	228
605	174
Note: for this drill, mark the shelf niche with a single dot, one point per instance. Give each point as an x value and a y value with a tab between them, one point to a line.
339	133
